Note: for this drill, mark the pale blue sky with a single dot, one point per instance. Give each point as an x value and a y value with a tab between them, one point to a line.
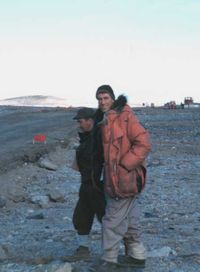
147	49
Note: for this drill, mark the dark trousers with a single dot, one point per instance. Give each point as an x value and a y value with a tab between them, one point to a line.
91	202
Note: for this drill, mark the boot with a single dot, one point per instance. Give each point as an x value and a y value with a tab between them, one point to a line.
135	254
81	253
128	261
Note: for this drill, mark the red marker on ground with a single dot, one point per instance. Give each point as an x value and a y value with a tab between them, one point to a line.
40	138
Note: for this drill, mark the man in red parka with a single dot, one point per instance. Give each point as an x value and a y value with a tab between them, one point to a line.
126	145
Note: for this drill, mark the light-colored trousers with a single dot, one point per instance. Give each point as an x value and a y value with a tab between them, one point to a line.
121	221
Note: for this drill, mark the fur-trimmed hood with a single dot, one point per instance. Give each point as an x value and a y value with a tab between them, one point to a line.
117	106
119	103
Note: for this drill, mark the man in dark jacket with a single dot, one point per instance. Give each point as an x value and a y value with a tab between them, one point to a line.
91	200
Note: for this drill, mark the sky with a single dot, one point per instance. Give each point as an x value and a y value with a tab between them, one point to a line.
148	50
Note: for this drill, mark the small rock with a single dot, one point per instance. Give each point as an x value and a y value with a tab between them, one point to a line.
2	202
16	193
149	215
55	266
154	163
42	261
42	200
55	196
64	268
162	252
45	163
2	254
36	216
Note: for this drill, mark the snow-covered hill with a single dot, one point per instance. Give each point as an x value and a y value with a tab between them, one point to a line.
35	101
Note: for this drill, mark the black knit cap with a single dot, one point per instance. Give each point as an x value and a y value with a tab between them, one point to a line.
105	89
84	113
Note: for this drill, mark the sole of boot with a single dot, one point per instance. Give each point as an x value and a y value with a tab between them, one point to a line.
127	261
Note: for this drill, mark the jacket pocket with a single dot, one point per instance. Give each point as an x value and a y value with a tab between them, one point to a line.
131	182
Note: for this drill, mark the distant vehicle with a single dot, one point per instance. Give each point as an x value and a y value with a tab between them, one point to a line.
188	100
170	105
152	105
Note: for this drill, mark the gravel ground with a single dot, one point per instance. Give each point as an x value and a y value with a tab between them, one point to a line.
36	204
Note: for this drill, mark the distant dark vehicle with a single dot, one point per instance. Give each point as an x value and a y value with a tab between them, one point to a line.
152	105
188	101
170	105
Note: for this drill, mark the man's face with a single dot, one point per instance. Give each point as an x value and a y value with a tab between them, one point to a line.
105	101
85	124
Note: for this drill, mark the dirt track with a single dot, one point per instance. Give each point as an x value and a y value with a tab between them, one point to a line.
20	124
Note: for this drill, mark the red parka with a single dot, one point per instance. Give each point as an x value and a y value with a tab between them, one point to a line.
126	144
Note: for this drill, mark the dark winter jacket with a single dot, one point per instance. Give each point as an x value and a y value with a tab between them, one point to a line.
84	156
97	149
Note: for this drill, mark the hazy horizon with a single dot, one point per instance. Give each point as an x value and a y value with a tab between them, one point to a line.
147	50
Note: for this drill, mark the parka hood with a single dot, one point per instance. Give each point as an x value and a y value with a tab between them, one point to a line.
119	103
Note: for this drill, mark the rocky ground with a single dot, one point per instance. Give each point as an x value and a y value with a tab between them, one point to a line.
36	203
